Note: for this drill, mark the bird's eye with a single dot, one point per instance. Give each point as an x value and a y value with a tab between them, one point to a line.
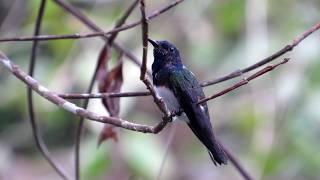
171	49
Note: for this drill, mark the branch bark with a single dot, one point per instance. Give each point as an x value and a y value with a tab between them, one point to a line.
103	95
70	107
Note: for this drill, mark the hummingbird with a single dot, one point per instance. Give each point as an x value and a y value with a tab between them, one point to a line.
180	90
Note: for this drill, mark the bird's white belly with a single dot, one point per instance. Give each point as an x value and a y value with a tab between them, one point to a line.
171	101
169	98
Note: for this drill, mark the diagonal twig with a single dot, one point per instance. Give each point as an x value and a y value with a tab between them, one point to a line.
236	163
169	140
244	81
86	21
95	34
35	129
91	25
266	60
122	20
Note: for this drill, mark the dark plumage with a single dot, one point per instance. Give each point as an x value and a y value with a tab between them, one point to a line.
180	90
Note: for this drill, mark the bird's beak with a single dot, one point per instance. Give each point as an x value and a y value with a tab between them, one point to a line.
154	43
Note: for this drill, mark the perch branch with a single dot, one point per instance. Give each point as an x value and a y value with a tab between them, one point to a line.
70	107
103	95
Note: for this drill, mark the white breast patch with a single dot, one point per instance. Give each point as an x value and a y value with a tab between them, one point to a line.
169	98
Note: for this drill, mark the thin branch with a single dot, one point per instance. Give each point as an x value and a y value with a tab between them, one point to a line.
76	13
167	150
266	60
244	81
91	25
102	95
122	20
144	26
73	108
54	98
35	129
157	99
90	88
236	163
90	35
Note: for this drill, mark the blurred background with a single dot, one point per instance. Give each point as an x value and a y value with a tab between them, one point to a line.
271	125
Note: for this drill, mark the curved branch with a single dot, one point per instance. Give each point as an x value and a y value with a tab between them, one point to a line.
74	109
94	76
35	129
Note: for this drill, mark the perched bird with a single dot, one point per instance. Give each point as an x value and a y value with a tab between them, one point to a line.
181	91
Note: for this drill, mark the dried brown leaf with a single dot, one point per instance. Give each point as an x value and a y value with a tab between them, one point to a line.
108	132
110	82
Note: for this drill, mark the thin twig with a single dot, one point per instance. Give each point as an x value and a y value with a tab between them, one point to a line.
76	13
91	25
236	163
102	95
157	99
167	150
35	129
144	26
90	88
266	60
244	81
229	76
122	20
90	35
73	108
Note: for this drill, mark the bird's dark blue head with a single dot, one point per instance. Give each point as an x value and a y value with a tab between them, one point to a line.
165	54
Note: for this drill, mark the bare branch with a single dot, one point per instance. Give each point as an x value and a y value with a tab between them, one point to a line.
95	34
122	20
35	129
102	95
144	40
266	60
101	59
236	163
244	81
70	107
169	140
157	99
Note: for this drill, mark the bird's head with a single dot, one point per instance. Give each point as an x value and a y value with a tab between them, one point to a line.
165	54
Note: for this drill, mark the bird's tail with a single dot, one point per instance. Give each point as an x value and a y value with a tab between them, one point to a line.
217	154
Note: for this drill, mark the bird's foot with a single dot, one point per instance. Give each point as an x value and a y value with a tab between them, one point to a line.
176	113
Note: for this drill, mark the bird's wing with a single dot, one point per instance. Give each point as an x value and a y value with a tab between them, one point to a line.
188	92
